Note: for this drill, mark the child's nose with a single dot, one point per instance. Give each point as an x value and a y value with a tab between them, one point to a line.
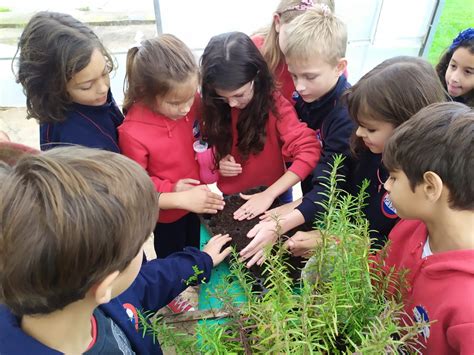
299	85
233	102
103	86
360	132
387	185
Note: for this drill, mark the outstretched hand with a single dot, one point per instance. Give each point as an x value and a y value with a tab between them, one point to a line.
214	246
264	234
256	204
200	199
280	210
303	243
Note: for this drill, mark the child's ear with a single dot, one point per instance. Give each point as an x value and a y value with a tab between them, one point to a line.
432	186
276	22
102	292
341	66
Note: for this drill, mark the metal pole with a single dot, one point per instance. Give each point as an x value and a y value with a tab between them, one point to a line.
425	48
159	25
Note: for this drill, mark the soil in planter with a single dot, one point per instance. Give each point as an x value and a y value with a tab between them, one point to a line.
224	222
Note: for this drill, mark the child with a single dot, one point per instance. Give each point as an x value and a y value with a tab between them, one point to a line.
64	70
159	131
430	161
314	48
382	99
456	68
73	222
268	41
251	127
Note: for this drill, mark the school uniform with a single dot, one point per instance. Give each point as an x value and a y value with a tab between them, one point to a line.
164	148
286	139
440	289
329	119
158	282
378	209
88	126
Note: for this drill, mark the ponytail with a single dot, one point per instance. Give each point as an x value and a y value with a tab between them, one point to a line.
129	95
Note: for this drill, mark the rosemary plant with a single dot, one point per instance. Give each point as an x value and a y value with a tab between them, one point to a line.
340	306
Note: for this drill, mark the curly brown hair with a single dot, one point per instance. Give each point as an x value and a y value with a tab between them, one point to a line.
52	48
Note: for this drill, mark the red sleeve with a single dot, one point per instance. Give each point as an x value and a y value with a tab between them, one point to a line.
258	40
460	337
300	145
136	151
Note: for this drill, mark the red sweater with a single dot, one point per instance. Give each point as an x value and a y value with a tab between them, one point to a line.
287	139
283	79
163	147
441	289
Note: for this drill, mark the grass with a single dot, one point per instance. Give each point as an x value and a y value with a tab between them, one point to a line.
457	15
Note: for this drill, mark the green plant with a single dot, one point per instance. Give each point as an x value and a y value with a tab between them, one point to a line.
346	302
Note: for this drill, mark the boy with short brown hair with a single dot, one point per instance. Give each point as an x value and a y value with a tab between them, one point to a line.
430	160
73	222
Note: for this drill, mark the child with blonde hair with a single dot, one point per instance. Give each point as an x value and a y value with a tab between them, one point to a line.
314	47
456	68
161	125
384	98
64	70
268	40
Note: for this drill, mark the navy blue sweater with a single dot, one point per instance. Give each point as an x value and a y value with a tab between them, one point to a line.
89	126
378	209
330	119
158	282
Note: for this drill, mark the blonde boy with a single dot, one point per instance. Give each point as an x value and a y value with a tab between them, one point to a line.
314	45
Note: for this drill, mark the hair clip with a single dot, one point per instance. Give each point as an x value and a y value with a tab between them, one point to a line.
465	35
325	10
302	6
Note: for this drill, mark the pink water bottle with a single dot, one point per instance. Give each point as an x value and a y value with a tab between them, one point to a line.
205	157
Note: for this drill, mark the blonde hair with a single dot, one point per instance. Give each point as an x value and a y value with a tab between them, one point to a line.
316	32
271	48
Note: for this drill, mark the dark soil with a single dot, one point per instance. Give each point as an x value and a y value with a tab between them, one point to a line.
224	222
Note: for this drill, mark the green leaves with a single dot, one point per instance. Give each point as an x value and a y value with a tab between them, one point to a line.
347	302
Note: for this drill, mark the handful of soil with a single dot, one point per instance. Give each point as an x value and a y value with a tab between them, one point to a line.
223	222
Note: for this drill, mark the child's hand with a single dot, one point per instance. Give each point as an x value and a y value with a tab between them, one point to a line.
263	234
185	184
280	210
214	246
200	199
303	243
256	204
228	167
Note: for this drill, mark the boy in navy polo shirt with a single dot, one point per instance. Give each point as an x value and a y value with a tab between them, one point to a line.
73	222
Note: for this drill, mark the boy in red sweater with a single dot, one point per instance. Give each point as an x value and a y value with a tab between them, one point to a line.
430	160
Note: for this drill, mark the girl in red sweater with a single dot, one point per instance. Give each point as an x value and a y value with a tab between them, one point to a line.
251	126
159	130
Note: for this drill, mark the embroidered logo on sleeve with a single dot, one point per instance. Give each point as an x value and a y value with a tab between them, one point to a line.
132	314
387	207
421	316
